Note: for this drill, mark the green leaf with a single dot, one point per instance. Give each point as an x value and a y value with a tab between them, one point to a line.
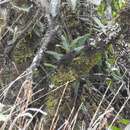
121	3
101	8
79	41
109	81
115	128
65	44
124	121
55	54
78	49
50	65
115	76
99	23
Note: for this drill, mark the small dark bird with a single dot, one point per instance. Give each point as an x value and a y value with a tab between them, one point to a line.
67	59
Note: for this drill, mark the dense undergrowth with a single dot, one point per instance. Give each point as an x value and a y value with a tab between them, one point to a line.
64	65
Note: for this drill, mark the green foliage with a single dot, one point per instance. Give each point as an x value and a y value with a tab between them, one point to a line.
79	41
99	23
49	65
79	67
23	52
116	5
63	76
115	128
101	8
51	104
83	64
55	54
114	71
124	121
66	46
111	64
75	44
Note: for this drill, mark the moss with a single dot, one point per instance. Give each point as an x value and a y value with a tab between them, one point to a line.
63	76
78	68
22	52
82	65
51	104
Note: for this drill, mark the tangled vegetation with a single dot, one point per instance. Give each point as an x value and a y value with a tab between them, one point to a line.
64	64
